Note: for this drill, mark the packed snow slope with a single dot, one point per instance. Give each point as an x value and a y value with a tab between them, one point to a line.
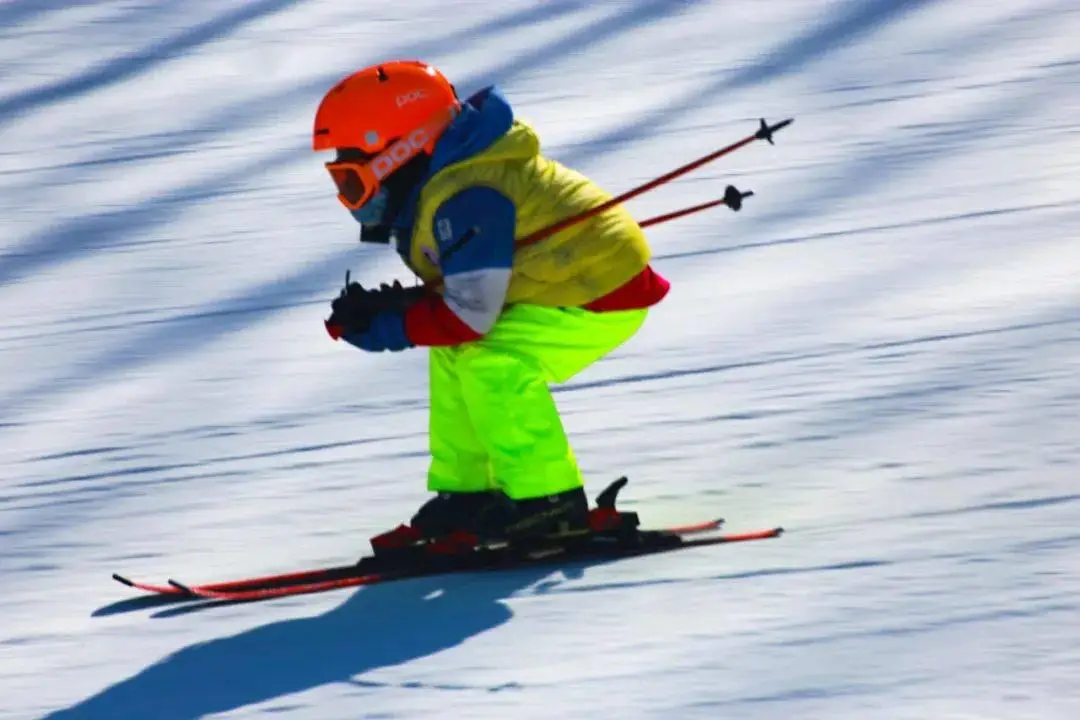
881	353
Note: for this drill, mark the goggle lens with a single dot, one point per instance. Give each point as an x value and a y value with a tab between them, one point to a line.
350	185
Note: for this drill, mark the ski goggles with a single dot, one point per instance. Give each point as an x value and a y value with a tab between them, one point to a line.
358	180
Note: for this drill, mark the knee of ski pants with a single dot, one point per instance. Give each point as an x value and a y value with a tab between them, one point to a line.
501	372
512	410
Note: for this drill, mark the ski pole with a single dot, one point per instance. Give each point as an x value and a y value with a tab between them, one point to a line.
732	198
764	132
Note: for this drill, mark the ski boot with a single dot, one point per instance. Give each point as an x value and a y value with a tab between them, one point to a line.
445	516
451	523
551	517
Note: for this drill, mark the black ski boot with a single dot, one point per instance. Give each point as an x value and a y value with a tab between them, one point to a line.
494	517
449	512
556	516
447	515
451	523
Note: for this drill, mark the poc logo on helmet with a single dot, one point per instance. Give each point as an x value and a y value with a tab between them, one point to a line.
399	153
406	98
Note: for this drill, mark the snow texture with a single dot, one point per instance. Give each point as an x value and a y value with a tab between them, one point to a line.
881	353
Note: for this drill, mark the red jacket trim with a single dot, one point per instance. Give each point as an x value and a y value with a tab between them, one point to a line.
645	289
431	323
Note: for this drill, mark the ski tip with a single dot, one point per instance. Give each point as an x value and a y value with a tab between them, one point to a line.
697	527
752	535
123	580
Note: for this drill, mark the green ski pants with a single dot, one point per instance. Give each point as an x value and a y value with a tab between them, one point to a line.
493	422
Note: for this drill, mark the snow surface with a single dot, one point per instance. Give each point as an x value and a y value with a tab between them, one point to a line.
881	353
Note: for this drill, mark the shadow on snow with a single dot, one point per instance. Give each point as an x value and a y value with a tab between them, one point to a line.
375	627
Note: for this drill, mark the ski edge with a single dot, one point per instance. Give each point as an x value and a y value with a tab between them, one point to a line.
242	595
332	575
176	588
268	593
302	577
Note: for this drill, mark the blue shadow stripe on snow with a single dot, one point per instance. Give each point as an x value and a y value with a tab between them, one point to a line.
915	627
131	226
188	333
1006	505
554	588
920	222
15	12
218	120
141	61
1070	319
855	21
163	469
629	17
896	156
94	231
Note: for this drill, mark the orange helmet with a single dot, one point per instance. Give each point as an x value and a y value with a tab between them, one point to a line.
382	116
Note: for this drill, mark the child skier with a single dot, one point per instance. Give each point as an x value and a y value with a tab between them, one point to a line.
456	186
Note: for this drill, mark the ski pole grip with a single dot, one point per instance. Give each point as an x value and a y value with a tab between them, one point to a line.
733	197
766	131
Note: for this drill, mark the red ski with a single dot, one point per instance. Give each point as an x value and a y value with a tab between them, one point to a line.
614	535
268	580
232	593
319	576
482	559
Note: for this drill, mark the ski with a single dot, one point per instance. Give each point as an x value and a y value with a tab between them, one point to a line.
318	575
480	560
146	587
613	535
268	580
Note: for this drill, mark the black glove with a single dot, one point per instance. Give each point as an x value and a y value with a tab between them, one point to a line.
353	310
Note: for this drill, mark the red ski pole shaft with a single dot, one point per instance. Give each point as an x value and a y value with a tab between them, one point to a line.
733	198
680	213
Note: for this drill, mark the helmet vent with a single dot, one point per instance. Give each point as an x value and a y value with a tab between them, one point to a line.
383	77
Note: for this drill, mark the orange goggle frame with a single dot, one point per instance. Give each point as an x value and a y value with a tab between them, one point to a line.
358	181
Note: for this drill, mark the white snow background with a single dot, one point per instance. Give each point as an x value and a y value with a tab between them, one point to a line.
881	353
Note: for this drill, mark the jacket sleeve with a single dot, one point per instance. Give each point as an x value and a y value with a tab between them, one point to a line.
474	230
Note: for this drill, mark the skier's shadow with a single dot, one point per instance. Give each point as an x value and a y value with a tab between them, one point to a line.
376	627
